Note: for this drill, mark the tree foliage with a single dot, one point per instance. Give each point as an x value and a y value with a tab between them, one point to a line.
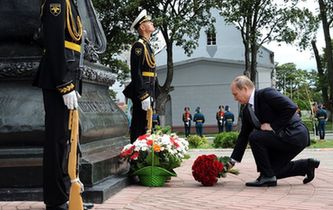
262	21
324	61
299	85
116	20
326	10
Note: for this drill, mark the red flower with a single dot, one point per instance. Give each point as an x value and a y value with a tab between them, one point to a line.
135	156
206	169
127	152
172	140
150	142
143	137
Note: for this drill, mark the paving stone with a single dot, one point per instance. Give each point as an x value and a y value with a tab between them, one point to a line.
184	193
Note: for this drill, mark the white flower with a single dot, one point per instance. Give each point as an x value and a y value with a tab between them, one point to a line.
140	145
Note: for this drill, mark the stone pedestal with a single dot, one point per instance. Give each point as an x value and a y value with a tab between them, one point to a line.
103	126
103	129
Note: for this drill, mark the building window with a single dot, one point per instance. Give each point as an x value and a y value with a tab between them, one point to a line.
211	38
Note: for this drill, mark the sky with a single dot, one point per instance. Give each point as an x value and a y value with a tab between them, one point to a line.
286	53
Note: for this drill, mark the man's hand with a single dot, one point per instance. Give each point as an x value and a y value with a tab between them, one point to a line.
266	127
70	100
145	104
231	163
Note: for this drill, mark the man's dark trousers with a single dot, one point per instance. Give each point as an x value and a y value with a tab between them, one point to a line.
273	156
139	121
55	144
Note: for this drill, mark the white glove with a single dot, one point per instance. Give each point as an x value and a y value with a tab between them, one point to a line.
70	99
145	104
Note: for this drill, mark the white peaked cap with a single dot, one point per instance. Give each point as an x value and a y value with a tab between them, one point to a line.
142	16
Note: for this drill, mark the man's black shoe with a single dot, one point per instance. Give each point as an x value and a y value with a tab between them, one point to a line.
59	207
87	206
310	174
262	181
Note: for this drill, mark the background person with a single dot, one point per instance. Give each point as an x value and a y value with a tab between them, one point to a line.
321	115
314	109
199	120
275	133
220	118
187	118
156	120
229	119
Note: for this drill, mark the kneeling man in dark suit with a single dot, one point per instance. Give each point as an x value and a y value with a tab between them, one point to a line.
275	133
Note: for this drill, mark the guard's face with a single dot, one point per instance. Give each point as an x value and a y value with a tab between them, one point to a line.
148	26
240	95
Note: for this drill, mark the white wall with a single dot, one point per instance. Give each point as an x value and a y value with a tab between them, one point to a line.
229	46
202	83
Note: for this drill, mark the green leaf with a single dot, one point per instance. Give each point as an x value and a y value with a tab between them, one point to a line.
149	159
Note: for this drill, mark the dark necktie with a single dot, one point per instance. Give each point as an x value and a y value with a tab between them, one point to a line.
253	117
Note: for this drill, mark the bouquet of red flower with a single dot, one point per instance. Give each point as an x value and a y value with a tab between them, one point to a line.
207	168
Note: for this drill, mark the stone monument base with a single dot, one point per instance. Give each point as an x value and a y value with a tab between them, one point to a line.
96	194
102	173
103	128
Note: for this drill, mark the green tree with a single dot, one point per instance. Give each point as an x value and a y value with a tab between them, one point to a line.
326	15
324	62
322	73
297	84
116	20
262	21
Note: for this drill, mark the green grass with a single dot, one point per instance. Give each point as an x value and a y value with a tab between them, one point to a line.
322	144
328	143
204	146
319	144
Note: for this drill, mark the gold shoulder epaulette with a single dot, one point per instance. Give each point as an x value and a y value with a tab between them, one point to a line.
141	41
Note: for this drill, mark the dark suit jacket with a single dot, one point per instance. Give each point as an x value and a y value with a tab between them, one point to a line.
280	112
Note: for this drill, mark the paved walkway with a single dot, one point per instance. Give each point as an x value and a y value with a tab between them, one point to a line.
230	193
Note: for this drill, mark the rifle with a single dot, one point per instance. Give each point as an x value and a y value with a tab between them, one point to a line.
75	198
150	120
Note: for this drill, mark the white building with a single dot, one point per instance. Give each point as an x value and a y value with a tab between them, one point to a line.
203	79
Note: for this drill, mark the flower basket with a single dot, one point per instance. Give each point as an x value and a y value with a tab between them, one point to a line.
153	176
154	156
